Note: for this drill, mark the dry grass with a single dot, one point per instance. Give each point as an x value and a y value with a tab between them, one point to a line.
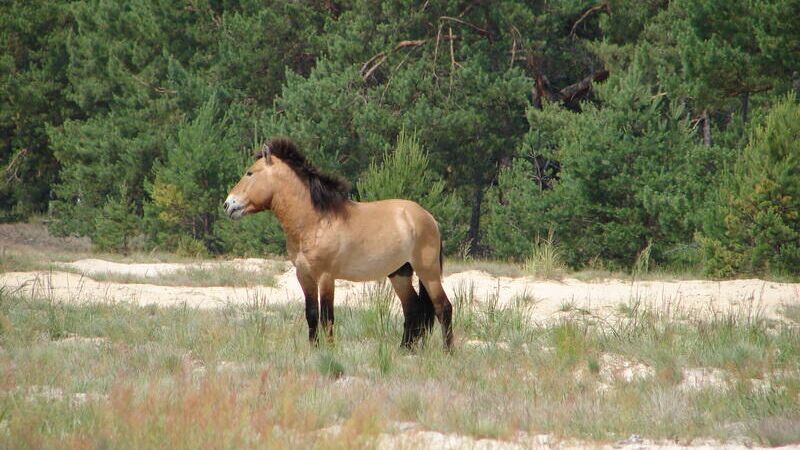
120	376
199	276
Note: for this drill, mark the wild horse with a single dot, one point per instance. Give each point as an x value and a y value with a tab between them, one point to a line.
330	237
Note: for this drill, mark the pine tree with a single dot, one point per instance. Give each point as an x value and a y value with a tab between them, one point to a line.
632	174
191	183
756	227
405	173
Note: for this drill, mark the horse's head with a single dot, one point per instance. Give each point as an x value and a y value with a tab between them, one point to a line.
253	193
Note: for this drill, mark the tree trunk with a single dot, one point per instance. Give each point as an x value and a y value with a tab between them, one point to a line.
475	220
745	106
706	129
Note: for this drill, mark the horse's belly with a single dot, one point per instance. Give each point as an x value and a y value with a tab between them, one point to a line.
367	261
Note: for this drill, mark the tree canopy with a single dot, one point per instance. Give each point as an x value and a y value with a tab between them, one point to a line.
127	122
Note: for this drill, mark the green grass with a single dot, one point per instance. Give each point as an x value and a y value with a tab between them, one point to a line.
245	376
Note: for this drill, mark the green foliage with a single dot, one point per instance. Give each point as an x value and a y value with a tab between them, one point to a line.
33	88
756	227
115	227
254	235
192	182
103	106
632	175
405	174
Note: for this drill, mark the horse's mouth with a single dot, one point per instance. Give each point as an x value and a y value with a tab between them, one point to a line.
237	213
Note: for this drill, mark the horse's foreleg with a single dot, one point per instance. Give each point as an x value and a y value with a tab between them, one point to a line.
310	291
326	288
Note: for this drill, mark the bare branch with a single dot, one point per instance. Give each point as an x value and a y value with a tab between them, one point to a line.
10	173
403	44
372	64
375	66
464	22
436	49
581	88
593	10
453	62
370	61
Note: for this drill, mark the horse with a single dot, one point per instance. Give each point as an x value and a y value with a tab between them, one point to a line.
330	237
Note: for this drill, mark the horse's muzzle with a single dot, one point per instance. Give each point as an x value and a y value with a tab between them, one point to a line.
233	208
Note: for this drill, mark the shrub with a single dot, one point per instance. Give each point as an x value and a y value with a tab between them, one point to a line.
404	173
756	226
114	228
192	182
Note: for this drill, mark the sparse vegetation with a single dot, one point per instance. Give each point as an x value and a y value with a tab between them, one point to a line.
216	275
545	260
77	375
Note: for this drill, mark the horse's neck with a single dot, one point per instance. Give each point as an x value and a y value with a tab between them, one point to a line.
296	215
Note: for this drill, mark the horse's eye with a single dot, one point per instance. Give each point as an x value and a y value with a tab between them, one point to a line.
249	174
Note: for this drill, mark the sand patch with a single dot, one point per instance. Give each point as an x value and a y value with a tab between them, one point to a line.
546	299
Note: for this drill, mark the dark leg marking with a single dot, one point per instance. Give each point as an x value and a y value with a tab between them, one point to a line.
312	317
326	315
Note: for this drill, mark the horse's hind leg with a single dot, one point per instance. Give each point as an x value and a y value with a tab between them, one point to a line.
441	306
427	262
413	310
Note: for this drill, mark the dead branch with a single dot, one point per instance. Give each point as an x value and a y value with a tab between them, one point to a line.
453	62
574	91
514	33
370	61
403	44
374	67
464	22
372	64
436	49
10	173
593	10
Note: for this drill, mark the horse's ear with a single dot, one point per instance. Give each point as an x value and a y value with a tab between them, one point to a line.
266	153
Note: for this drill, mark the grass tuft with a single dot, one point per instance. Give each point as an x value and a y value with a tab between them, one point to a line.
328	365
545	260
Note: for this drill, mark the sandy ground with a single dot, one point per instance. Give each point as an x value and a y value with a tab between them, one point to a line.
410	435
548	297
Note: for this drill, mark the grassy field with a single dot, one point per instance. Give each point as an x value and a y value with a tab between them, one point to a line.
122	376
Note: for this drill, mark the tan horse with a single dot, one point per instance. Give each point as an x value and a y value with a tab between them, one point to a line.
329	237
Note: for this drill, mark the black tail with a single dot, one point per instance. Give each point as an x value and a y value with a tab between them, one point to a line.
441	257
428	315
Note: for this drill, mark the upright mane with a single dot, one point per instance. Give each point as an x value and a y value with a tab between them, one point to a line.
328	192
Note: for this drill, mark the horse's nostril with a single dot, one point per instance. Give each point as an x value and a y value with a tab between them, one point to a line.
225	206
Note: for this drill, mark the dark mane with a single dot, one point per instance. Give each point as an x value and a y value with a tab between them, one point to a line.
328	192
